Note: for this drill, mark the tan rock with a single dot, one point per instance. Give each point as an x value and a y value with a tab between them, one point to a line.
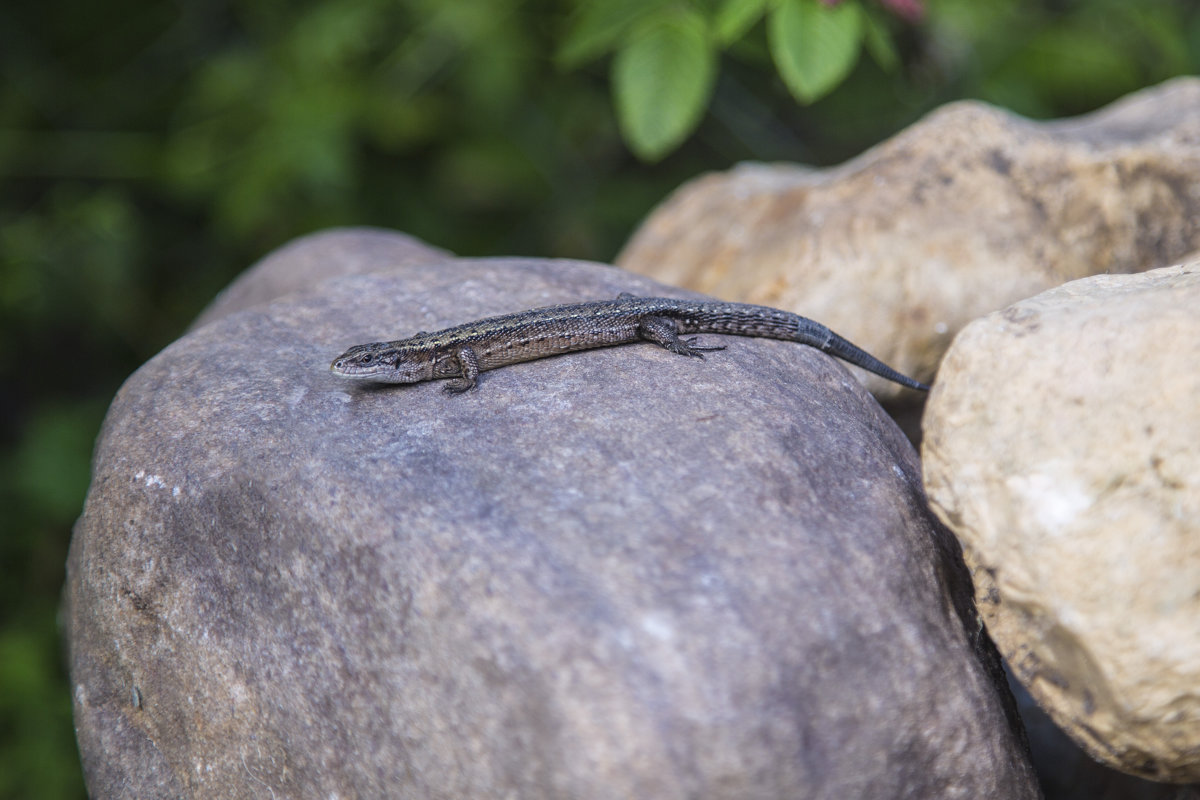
1062	445
965	212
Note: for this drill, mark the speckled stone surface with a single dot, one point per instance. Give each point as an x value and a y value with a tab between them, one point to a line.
618	573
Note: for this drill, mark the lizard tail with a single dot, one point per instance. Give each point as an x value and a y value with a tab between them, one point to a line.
847	351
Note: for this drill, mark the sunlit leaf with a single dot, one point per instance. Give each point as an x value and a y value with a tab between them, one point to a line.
662	78
814	46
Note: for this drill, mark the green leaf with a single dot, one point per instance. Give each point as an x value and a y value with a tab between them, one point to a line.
735	17
598	27
814	46
662	78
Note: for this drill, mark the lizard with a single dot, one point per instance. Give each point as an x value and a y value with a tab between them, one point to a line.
462	352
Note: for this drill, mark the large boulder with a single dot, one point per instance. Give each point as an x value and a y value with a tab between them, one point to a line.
619	573
963	213
1062	445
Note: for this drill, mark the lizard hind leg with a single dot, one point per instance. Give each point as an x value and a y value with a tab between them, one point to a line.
663	332
468	364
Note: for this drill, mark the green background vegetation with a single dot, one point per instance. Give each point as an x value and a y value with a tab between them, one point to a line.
151	150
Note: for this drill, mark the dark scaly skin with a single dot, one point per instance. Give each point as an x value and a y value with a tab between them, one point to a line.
462	352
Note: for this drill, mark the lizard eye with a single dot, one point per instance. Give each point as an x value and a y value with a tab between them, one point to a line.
366	358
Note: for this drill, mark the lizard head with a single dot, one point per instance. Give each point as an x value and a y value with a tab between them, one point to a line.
383	362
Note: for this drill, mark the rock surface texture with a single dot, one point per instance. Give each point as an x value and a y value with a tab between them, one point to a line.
1061	445
619	573
967	211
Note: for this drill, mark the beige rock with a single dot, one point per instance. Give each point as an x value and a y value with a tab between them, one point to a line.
965	212
1062	445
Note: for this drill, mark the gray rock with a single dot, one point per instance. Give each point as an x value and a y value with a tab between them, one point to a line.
619	573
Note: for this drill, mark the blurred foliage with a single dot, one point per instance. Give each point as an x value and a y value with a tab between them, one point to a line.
150	150
665	64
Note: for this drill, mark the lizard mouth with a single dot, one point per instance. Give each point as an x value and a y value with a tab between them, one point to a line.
379	370
352	368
